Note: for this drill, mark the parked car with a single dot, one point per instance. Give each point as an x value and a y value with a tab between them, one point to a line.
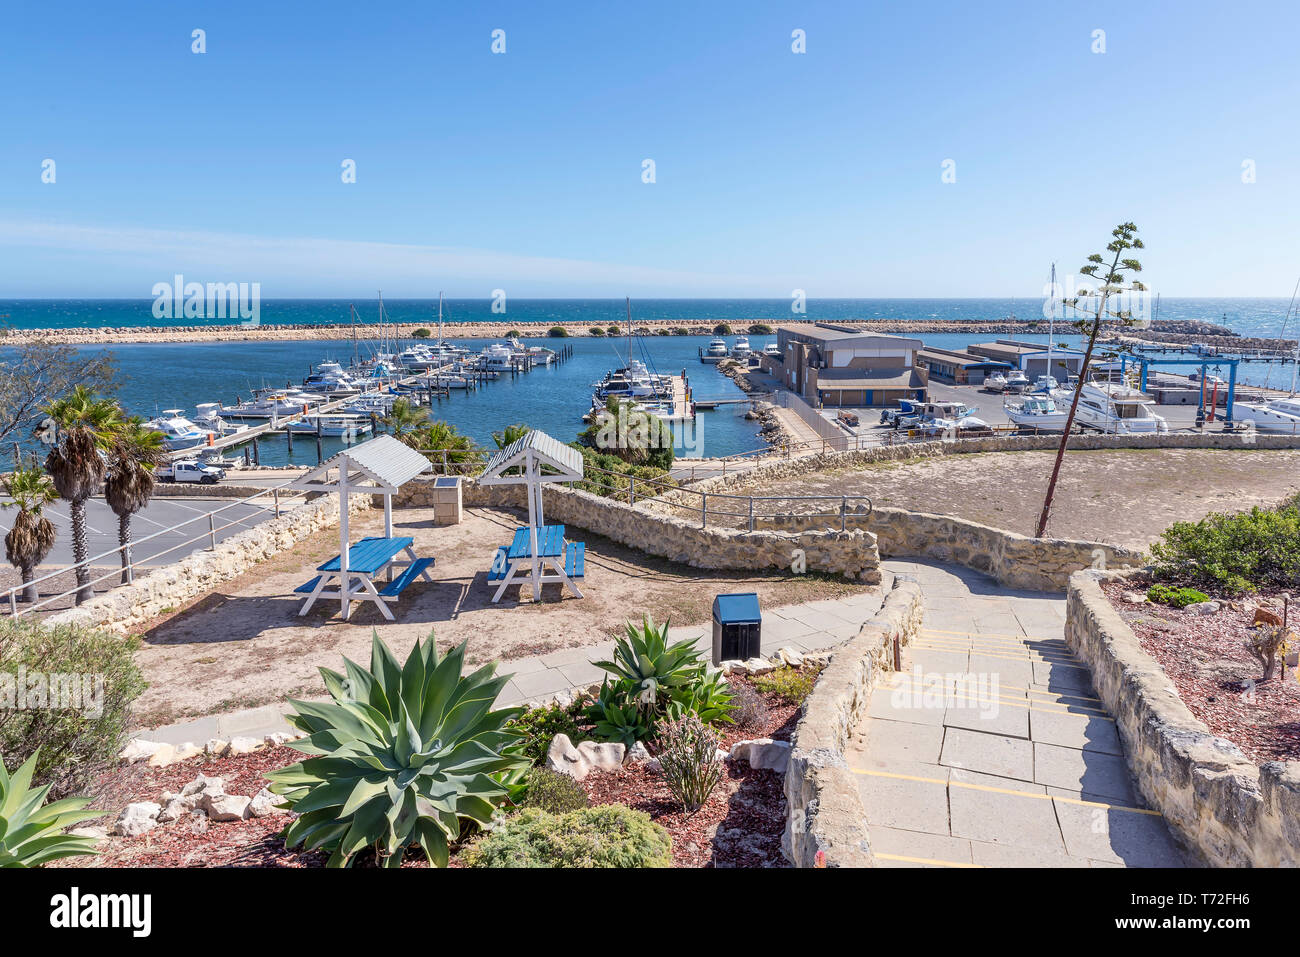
191	472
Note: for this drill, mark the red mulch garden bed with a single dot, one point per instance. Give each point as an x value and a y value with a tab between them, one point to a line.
1218	680
740	826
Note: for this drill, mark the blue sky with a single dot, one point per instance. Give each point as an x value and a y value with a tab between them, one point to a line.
522	171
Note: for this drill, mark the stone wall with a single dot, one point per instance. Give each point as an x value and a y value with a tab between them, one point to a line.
1017	561
1227	810
826	823
852	554
128	606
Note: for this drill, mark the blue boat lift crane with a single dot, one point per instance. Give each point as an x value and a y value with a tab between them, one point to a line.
1144	365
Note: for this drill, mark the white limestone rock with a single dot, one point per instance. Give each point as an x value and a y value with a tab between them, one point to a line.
217	747
200	790
578	762
173	810
94	832
165	755
240	746
139	750
277	738
1204	608
227	807
636	753
790	657
137	818
187	750
762	753
263	803
759	666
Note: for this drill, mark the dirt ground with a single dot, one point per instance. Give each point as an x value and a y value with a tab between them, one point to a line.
245	645
1120	496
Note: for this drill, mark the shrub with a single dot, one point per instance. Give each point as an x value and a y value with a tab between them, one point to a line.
539	726
791	685
680	331
635	437
1264	645
611	835
32	835
74	743
596	331
618	485
751	711
722	329
557	332
689	761
1175	597
421	333
403	754
1233	553
760	329
553	792
513	334
614	330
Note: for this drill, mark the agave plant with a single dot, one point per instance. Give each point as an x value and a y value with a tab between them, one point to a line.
31	835
403	753
617	717
653	668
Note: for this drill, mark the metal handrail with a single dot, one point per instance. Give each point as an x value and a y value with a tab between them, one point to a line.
210	533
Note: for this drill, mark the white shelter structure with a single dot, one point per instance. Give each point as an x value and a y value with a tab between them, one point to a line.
379	466
532	461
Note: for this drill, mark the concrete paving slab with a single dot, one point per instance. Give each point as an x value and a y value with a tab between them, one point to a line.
895	842
1018	820
901	803
989	753
1077	728
1090	771
1122	837
904	741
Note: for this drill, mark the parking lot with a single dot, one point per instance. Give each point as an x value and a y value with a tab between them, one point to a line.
161	513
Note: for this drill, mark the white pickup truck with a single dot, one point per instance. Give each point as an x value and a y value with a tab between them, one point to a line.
190	472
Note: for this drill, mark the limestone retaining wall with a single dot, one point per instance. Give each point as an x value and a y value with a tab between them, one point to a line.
128	606
852	554
1226	809
1017	561
825	816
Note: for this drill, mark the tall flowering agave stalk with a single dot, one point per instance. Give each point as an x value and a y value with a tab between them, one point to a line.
402	755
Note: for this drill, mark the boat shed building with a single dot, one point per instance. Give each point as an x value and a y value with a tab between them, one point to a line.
957	367
839	366
1030	357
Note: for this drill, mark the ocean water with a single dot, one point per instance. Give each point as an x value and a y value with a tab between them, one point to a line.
1244	315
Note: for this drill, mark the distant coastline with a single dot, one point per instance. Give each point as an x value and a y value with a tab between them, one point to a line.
268	332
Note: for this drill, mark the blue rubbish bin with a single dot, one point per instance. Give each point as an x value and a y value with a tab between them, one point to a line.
737	627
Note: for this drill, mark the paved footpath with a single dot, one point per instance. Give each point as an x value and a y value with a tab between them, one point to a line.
808	627
989	748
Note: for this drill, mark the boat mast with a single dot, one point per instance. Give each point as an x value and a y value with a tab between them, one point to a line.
629	335
439	319
1051	324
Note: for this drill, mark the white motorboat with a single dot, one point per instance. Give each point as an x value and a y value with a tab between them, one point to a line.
1118	409
741	349
272	404
497	357
1038	412
996	382
1276	415
330	378
1045	384
773	350
1017	382
177	431
715	353
207	416
333	424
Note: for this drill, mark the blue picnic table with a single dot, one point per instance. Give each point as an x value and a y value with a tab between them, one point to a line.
368	559
514	563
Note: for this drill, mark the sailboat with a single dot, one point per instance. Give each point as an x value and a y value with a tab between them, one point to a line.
1277	415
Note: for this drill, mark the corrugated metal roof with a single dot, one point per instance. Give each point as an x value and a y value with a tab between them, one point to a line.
383	458
550	450
832	379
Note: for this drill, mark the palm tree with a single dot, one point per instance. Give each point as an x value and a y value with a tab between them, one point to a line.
442	443
128	486
80	428
405	419
32	535
510	434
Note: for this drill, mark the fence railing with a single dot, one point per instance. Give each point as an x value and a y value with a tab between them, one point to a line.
273	498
